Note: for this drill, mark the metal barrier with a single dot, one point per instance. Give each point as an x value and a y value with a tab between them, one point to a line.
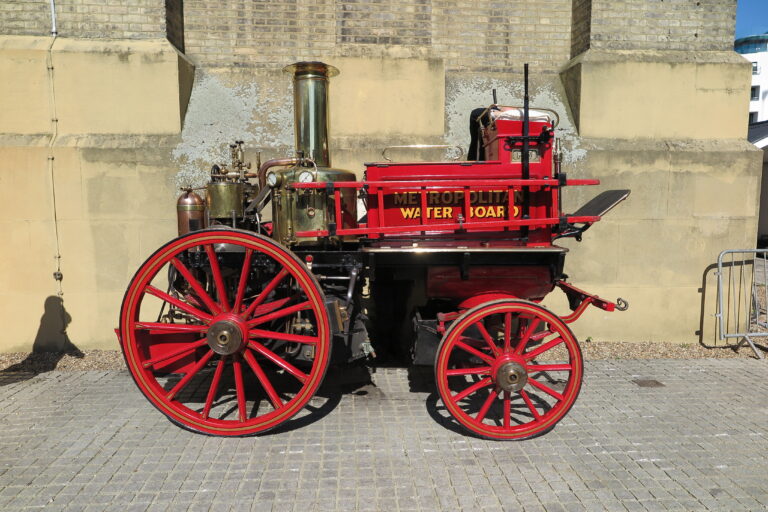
742	295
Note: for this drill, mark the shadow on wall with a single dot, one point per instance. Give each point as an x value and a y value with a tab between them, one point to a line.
51	344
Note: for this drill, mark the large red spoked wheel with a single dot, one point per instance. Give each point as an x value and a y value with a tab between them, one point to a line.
508	369
225	332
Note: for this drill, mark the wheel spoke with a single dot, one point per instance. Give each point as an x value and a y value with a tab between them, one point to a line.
269	307
265	383
487	338
244	272
471	389
279	361
480	370
191	373
545	388
192	310
548	368
196	286
530	404
486	405
175	353
507	409
540	336
239	388
272	335
160	327
507	332
485	357
279	314
533	353
221	290
527	336
265	293
214	389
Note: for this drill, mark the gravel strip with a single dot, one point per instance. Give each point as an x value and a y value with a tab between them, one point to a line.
47	361
593	350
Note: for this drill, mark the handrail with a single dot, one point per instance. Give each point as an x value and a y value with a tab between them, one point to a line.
449	184
421	146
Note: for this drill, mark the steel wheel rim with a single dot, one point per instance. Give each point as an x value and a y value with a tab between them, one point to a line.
135	353
520	422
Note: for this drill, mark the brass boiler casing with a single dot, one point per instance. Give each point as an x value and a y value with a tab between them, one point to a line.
311	209
295	210
225	199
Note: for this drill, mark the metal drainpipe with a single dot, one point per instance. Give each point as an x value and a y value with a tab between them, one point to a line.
53	18
57	275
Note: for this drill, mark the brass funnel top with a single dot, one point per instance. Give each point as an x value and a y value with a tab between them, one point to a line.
311	67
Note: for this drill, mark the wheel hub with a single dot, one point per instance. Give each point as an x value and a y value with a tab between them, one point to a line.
225	337
511	376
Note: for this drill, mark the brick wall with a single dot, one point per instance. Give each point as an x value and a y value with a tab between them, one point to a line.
662	24
468	35
28	17
174	22
117	19
581	25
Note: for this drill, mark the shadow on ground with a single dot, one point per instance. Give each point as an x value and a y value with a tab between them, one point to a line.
51	344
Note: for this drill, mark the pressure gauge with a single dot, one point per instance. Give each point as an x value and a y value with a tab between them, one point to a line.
306	177
272	179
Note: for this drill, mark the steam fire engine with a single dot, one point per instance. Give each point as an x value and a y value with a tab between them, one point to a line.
230	328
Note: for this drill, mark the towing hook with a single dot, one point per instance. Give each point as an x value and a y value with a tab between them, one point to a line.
621	304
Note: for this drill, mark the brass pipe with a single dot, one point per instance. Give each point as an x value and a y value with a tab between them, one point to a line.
275	162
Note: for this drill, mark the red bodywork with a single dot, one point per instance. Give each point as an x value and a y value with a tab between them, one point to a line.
463	200
489	204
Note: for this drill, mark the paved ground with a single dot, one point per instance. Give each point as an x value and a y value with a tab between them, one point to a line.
89	440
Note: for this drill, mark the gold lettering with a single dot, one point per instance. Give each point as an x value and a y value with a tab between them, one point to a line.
411	213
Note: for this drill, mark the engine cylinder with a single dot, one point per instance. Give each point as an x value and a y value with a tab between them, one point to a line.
190	212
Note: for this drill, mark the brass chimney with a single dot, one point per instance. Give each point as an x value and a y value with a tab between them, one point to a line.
310	109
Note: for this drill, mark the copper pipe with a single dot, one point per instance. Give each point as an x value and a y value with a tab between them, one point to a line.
275	162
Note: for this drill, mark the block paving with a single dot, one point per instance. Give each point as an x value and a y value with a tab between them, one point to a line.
89	441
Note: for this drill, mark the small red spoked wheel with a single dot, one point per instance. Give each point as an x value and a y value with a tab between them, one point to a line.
508	369
225	332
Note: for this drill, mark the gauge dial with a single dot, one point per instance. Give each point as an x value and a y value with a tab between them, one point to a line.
306	177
